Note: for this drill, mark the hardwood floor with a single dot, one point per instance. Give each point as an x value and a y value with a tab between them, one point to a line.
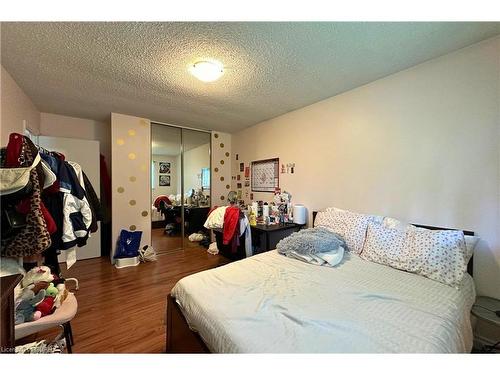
123	310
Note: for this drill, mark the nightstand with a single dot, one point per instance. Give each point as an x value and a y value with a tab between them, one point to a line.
266	237
484	310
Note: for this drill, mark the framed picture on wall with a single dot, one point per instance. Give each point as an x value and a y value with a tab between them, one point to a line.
164	167
163	180
265	175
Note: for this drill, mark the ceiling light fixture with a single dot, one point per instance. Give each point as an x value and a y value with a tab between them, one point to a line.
207	71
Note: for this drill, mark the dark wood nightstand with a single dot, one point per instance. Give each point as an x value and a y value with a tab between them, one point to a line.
266	237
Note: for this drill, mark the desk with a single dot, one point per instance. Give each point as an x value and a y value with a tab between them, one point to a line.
194	217
266	237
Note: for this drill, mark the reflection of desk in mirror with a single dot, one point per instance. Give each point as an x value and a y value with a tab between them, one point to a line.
194	217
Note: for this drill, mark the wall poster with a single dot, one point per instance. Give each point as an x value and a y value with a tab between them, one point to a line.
265	175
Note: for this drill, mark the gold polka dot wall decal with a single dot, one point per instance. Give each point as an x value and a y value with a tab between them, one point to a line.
222	161
221	145
222	197
132	202
131	156
131	132
227	154
227	186
132	179
222	178
216	169
120	142
144	213
132	227
216	135
120	190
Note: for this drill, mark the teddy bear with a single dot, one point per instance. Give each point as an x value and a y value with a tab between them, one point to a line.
25	310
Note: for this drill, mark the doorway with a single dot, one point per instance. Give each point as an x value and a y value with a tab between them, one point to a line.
180	186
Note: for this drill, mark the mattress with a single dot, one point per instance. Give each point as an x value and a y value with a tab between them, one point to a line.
269	303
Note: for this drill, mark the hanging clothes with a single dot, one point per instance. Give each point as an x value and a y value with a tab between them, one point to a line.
48	202
34	237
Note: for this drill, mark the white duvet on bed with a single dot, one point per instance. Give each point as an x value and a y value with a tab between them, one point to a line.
269	303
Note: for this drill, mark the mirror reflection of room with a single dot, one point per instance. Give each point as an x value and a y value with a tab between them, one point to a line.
180	186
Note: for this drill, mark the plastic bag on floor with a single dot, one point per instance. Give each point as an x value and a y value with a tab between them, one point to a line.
212	249
128	244
147	254
195	237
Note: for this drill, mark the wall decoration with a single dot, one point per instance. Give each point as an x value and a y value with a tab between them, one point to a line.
238	177
238	185
163	180
265	175
247	183
242	167
247	172
164	168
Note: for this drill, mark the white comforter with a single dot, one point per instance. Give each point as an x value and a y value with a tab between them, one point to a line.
269	303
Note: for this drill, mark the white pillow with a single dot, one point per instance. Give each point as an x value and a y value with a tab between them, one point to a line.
349	225
392	223
374	218
440	255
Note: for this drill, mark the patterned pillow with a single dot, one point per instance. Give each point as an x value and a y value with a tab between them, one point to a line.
349	225
440	255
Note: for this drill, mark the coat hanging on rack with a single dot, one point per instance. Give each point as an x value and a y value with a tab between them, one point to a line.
53	205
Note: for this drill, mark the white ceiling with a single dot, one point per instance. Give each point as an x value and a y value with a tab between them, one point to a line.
91	69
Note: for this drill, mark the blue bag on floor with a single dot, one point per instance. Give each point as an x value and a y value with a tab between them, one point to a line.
128	244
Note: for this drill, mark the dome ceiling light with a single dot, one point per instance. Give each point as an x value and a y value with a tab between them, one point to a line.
207	71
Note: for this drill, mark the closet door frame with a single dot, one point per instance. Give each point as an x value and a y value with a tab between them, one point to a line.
182	129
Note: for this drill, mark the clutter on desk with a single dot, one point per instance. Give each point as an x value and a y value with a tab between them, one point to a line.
279	211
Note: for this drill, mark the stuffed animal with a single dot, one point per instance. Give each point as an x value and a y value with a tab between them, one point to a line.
26	313
36	287
51	290
46	306
41	273
25	310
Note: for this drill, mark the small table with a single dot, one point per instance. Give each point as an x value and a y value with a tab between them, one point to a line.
484	309
266	237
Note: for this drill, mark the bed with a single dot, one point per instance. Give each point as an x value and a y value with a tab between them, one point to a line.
269	303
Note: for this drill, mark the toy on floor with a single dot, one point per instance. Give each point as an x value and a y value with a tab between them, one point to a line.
26	307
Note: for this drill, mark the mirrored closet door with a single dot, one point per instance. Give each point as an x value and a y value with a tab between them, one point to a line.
196	184
180	186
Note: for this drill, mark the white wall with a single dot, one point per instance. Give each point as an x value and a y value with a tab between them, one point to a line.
15	107
220	176
73	127
165	190
194	160
421	145
130	176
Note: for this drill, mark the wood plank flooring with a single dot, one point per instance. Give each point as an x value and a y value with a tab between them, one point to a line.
123	310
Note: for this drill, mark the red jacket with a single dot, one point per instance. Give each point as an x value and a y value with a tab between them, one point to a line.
231	219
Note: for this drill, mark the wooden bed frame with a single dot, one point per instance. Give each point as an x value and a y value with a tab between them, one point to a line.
181	339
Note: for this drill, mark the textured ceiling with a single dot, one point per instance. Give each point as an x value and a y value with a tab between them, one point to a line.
91	69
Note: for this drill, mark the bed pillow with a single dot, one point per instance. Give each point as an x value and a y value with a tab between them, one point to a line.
392	223
440	255
349	225
374	218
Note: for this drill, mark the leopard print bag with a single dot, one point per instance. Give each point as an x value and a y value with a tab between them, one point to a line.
34	238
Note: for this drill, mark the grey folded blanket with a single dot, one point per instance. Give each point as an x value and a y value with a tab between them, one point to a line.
310	241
